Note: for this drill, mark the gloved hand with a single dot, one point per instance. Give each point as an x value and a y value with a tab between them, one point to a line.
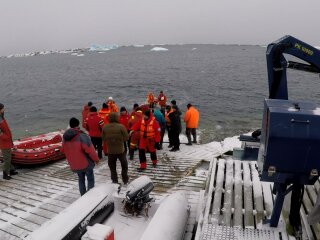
157	146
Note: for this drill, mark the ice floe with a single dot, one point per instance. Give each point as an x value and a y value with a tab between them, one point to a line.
97	47
158	49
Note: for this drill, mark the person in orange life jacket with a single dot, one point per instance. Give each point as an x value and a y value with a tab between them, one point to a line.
85	112
136	116
150	99
168	124
6	143
124	120
175	128
112	105
80	154
149	139
191	119
162	100
104	113
94	124
115	134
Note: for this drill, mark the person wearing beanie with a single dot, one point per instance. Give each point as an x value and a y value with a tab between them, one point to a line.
191	118
115	135
149	138
112	105
80	154
175	128
85	112
94	124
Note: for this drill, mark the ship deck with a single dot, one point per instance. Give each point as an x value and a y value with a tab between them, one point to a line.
227	199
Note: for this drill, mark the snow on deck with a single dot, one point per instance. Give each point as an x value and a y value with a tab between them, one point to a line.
224	194
38	194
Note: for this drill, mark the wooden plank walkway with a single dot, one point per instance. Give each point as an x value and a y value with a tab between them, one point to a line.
237	199
36	195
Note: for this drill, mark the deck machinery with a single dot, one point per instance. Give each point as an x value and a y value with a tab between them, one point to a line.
289	154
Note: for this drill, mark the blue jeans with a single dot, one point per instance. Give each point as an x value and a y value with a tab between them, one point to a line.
82	180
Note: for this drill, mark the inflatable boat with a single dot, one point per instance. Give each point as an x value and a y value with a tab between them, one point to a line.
107	212
38	149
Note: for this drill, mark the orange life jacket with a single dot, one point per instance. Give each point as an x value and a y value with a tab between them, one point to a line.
104	114
146	129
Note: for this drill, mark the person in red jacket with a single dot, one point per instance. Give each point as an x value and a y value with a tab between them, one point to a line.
124	120
94	124
6	144
149	139
135	117
80	154
85	112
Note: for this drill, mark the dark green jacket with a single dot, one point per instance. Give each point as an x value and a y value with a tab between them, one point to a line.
114	134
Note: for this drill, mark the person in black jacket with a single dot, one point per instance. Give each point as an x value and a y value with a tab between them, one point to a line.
175	128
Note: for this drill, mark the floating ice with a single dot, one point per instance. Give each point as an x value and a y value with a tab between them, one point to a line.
97	47
138	45
317	47
80	55
194	49
158	49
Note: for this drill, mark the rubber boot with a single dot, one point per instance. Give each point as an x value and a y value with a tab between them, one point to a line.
6	176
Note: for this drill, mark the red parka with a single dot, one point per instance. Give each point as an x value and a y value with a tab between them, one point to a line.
79	151
5	135
85	112
94	124
124	120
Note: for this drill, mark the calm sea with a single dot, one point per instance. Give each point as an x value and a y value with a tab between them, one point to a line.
226	83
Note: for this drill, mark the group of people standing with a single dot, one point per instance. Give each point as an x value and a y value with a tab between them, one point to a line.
114	133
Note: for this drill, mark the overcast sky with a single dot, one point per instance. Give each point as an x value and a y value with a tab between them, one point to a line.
35	25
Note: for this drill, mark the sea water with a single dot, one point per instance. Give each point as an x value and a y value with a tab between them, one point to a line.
226	83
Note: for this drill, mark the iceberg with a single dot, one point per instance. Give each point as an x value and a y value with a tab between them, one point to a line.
317	47
99	48
138	45
194	49
159	49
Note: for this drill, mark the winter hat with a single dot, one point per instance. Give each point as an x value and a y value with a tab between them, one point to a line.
189	105
1	106
147	113
93	109
74	122
135	105
89	104
104	105
110	98
122	109
174	102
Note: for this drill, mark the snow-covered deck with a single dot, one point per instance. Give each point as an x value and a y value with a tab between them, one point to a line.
36	195
226	197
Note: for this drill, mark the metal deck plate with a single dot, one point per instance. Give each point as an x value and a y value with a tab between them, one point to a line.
212	231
